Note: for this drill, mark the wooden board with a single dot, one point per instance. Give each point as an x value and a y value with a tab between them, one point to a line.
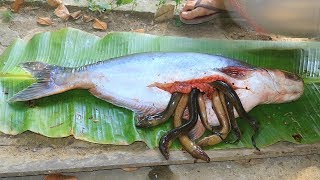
31	154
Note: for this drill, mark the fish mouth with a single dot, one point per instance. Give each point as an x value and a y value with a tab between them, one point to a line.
287	97
297	94
298	88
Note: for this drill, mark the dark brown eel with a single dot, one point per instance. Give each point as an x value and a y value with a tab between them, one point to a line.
234	124
203	112
183	129
193	149
223	118
229	109
159	118
234	99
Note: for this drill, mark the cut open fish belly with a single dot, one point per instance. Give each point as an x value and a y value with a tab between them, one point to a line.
138	86
144	82
149	90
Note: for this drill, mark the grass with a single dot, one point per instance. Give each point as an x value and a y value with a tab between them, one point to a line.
6	16
102	6
98	6
161	2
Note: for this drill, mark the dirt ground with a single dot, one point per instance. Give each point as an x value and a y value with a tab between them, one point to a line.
24	25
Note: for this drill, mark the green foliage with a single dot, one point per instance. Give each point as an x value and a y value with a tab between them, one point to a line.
178	1
123	2
178	22
102	6
161	2
98	6
80	114
6	16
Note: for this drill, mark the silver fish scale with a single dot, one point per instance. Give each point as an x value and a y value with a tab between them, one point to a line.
127	81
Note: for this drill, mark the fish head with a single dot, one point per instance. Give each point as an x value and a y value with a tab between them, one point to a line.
285	86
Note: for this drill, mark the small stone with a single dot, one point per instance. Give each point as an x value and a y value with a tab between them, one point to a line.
164	13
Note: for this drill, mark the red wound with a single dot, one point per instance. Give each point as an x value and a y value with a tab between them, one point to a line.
236	72
203	84
186	86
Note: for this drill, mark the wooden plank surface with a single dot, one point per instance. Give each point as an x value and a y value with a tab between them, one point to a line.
31	154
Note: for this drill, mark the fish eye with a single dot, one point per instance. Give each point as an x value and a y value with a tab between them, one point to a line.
291	76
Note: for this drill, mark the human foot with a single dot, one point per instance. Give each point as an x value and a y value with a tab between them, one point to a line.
198	11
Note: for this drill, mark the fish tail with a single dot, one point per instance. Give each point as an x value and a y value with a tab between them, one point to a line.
46	76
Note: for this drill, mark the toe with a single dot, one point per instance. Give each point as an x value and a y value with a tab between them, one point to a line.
198	12
189	5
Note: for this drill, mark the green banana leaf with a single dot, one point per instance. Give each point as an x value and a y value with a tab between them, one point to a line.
85	117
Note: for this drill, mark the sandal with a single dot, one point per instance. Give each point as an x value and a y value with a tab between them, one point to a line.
206	18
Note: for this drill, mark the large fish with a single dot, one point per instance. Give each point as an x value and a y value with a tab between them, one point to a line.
144	82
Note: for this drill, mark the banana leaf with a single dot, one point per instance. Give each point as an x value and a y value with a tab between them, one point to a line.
85	117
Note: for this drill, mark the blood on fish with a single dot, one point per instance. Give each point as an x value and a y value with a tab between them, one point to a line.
236	72
186	86
202	83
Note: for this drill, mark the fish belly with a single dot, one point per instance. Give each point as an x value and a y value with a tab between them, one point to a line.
129	81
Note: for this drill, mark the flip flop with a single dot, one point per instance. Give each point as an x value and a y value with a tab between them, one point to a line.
206	18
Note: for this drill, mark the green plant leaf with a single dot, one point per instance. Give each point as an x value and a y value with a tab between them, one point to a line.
122	2
85	117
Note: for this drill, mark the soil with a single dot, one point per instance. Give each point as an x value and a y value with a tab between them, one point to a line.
24	25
